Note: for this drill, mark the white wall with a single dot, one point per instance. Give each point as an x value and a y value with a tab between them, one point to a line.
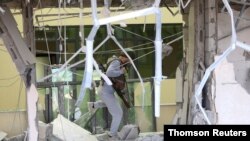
232	77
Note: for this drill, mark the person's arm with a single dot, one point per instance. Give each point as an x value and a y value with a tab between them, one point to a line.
114	69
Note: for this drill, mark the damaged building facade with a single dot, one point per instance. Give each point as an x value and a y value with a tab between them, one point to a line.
205	58
225	90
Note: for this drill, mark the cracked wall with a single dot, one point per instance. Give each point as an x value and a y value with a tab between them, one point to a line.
231	78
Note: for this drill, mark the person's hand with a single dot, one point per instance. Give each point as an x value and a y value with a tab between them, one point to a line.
124	70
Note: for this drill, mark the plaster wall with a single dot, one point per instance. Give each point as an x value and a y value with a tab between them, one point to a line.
232	76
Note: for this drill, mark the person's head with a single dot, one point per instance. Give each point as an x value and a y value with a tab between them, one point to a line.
124	58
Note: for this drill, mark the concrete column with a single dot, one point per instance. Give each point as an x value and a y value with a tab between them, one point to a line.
194	43
210	45
28	34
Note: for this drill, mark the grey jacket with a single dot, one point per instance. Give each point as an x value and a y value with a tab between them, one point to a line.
113	70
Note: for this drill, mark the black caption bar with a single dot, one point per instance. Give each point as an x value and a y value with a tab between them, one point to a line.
173	131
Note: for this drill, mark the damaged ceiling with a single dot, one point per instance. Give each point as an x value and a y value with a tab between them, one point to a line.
237	5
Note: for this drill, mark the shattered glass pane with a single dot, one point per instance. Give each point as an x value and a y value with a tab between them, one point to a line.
62	76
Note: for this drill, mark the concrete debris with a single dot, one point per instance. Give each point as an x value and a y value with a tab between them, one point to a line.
21	137
69	131
151	136
102	137
147	136
2	135
129	132
98	130
45	131
199	119
84	119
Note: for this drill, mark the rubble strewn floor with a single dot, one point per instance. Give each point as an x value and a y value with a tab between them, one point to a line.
147	136
69	131
2	135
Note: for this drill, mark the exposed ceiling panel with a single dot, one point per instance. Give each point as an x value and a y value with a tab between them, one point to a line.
75	3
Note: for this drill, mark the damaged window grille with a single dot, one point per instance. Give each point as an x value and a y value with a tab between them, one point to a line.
106	21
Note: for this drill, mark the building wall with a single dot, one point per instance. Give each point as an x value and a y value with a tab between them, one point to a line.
167	105
12	96
13	116
232	91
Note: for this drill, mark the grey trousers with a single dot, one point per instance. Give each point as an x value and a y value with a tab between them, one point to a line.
111	102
